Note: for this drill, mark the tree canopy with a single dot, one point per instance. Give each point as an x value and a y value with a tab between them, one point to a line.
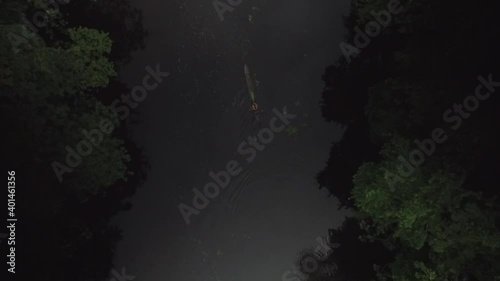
54	82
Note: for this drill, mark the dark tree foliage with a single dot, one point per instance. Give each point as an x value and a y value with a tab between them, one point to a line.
54	83
349	259
441	221
345	158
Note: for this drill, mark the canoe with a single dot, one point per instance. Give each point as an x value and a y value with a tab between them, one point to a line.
250	87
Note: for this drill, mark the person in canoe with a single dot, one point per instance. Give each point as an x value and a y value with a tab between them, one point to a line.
254	107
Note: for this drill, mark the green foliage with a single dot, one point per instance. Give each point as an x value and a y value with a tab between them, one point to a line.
436	217
88	53
49	86
427	210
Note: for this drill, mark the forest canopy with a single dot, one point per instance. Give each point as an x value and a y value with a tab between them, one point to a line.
419	156
58	71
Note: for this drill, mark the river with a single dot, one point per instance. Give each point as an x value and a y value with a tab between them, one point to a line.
195	120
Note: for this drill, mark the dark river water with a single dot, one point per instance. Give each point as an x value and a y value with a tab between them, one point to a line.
195	120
